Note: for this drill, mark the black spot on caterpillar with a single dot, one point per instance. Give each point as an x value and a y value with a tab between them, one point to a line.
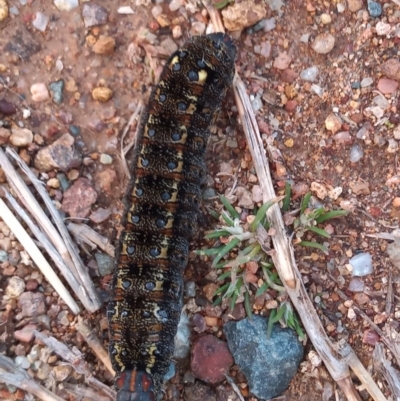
162	204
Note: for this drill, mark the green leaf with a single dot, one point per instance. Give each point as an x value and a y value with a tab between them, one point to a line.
314	245
262	289
213	213
222	4
217	234
319	231
331	215
227	248
217	302
286	201
261	213
271	322
208	252
247	305
234	214
222	289
227	218
223	276
305	202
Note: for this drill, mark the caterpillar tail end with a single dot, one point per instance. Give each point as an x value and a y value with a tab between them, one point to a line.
134	385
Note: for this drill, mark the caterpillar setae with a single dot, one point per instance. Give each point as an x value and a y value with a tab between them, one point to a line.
162	205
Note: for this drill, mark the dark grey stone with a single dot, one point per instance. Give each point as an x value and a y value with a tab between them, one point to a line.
105	263
268	364
56	89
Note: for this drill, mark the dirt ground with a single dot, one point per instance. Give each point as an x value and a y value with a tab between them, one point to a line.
338	133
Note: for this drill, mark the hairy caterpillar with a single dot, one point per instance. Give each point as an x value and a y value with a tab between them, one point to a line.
162	205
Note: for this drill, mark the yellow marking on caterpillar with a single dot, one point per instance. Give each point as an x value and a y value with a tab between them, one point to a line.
202	76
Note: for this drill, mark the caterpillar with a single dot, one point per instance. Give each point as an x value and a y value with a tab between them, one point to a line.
160	218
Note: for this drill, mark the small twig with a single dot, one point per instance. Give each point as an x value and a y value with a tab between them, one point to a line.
382	365
235	388
125	150
80	392
90	337
18	377
87	235
34	252
365	378
390	294
75	358
44	242
93	302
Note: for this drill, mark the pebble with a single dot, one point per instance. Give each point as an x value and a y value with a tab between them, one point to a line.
53	183
40	22
102	94
396	132
104	45
319	190
355	5
317	90
257	194
268	364
391	68
105	263
340	8
39	92
177	31
7	108
93	15
209	193
361	264
282	61
44	371
343	137
190	289
3	10
256	104
60	155
356	285
381	101
366	82
62	372
370	337
74	130
240	15
325	19
197	28
21	136
382	28
100	215
62	318
56	89
356	153
374	9
66	5
26	334
275	5
393	146
125	10
323	43
15	287
387	86
310	74
175	5
182	338
32	304
22	361
211	359
105	159
333	123
79	198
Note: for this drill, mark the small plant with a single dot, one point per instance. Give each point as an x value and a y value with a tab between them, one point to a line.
237	244
219	5
309	219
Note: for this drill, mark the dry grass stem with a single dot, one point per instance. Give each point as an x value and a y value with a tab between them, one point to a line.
35	254
384	367
18	377
43	241
357	367
91	302
124	150
80	392
90	337
76	360
87	235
